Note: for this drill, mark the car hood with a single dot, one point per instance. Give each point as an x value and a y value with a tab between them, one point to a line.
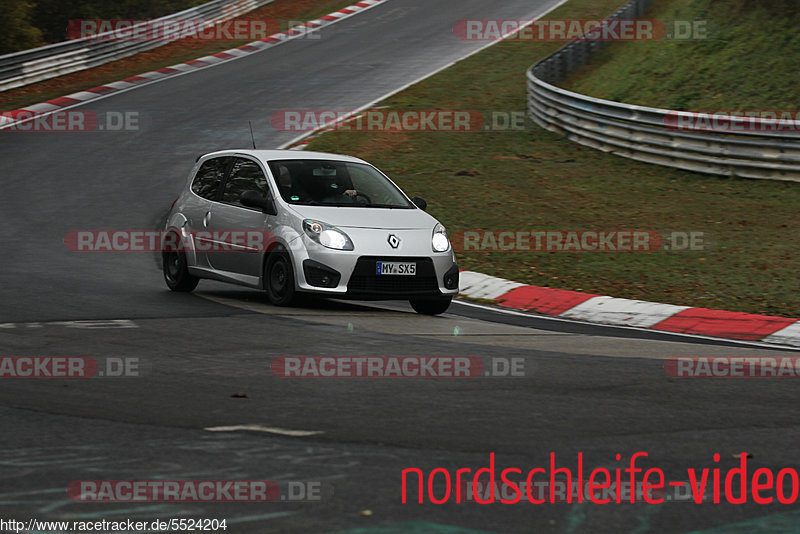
383	218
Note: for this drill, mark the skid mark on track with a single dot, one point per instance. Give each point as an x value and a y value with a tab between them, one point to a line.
270	430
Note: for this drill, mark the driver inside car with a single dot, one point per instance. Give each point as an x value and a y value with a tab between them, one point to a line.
330	189
336	189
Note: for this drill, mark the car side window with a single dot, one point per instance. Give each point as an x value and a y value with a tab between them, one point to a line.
209	176
245	175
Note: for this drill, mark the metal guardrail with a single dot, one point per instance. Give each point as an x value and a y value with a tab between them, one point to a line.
30	66
651	134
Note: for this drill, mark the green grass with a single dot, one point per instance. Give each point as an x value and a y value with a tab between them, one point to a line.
748	62
536	180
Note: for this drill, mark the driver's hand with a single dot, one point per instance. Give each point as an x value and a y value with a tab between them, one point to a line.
351	192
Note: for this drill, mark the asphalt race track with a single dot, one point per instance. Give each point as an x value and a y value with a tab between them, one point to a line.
205	357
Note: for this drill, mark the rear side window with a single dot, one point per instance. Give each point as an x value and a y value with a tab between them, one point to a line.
245	175
209	176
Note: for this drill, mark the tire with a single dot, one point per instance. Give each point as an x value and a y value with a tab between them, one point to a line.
431	306
279	278
176	272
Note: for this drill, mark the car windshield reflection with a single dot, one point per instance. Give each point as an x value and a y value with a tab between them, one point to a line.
335	184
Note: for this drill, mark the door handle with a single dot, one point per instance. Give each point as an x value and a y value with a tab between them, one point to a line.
207	219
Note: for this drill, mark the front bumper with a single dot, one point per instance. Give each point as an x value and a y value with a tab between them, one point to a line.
365	283
350	274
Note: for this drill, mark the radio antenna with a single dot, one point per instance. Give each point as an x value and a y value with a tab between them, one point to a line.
252	137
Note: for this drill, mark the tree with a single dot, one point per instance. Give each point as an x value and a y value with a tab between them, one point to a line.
53	16
16	31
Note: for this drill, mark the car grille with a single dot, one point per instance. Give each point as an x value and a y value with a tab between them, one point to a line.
365	280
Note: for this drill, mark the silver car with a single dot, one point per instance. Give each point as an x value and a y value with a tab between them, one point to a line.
293	222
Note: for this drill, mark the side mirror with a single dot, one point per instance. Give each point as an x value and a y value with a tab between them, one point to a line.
254	199
420	203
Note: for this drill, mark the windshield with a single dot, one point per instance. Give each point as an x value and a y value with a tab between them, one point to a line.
335	183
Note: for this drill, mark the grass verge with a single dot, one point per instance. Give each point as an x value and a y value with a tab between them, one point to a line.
532	179
747	62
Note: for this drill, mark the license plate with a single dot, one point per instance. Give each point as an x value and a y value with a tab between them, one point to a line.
397	268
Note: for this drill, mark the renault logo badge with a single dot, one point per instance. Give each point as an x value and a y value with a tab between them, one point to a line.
394	241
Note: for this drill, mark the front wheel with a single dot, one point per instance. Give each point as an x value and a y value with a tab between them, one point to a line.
431	306
279	278
176	272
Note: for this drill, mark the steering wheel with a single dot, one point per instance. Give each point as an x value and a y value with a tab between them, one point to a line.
360	194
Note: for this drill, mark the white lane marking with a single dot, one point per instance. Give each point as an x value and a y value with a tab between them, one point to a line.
236	52
152	75
119	85
505	311
789	335
82	95
42	107
531	20
622	312
270	430
482	286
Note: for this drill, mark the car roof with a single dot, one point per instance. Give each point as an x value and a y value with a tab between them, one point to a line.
271	155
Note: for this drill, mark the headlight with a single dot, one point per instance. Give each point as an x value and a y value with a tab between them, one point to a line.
439	240
327	235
